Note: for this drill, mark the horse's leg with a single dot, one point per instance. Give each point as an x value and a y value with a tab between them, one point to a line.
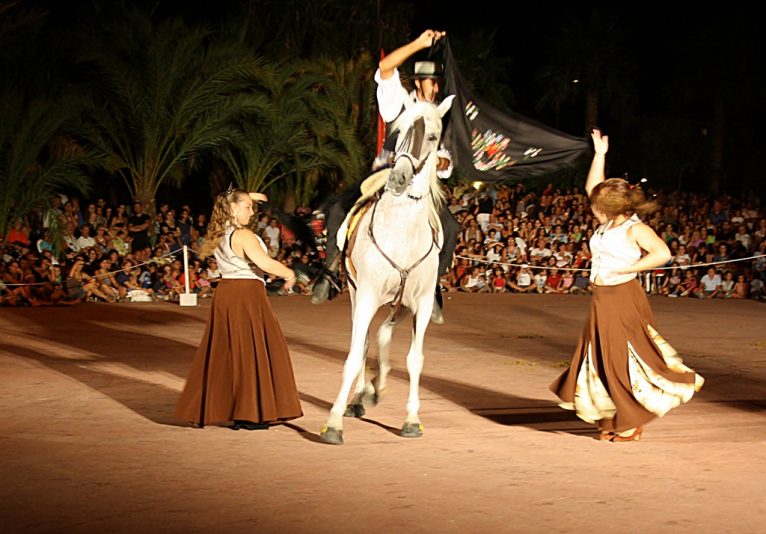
412	427
362	390
355	408
385	332
332	432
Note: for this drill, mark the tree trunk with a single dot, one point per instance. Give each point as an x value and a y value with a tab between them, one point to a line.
591	111
146	197
288	201
717	149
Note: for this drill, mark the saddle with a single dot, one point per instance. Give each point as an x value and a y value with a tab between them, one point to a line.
370	188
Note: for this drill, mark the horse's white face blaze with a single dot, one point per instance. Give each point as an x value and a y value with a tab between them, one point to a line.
419	130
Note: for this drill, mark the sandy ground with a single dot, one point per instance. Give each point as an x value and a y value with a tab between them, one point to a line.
89	443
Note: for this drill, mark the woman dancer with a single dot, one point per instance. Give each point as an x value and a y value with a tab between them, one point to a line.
623	373
242	376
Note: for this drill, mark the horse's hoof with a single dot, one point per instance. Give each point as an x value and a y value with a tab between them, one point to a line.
354	410
331	435
412	430
371	399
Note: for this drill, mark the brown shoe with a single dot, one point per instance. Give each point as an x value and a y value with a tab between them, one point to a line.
633	436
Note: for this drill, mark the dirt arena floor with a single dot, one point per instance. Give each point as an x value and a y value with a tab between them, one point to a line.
89	443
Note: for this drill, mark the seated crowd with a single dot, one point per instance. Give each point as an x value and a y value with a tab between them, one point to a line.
512	240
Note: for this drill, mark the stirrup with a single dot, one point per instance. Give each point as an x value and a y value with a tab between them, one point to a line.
437	316
326	287
321	291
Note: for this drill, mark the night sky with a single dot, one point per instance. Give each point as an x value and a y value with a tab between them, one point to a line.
660	40
657	34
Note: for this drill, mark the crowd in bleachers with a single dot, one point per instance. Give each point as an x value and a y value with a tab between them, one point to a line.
512	240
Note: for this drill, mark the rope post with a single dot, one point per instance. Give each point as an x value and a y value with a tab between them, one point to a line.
187	298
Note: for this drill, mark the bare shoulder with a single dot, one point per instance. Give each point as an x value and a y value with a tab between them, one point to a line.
243	239
244	234
640	228
643	235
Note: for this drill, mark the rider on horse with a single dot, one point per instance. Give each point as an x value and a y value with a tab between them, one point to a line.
391	96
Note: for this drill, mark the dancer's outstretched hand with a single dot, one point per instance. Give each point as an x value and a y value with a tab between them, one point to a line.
600	142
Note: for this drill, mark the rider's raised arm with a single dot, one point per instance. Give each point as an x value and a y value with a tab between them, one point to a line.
392	61
390	92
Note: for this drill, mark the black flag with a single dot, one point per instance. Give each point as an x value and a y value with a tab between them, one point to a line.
493	145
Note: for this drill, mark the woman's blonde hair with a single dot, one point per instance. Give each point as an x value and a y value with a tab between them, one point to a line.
616	196
220	219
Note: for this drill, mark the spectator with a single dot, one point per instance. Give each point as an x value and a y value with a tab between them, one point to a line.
552	281
85	240
273	232
740	288
581	283
200	227
689	286
539	279
743	237
138	227
726	289
19	233
672	287
566	282
710	284
119	220
562	255
498	281
540	252
102	239
682	258
185	227
475	282
721	254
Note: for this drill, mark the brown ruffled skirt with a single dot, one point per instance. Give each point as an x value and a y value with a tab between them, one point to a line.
242	369
623	373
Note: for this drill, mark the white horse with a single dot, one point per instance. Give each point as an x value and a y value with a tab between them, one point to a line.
395	261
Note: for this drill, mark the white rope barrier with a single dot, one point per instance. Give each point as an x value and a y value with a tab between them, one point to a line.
548	267
97	276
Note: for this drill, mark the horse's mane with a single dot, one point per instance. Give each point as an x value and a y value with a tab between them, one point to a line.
438	196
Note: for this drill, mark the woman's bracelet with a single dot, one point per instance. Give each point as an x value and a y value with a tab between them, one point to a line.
599	156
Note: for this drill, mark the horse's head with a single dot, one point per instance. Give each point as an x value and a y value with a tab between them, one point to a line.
418	132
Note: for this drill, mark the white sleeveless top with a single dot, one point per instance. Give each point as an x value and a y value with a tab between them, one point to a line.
233	266
613	251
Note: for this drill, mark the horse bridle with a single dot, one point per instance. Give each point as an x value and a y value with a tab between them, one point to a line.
403	273
410	140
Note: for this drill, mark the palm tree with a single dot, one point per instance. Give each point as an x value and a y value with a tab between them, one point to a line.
165	94
589	64
33	166
311	132
37	157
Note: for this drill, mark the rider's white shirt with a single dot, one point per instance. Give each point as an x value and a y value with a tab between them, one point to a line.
391	96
